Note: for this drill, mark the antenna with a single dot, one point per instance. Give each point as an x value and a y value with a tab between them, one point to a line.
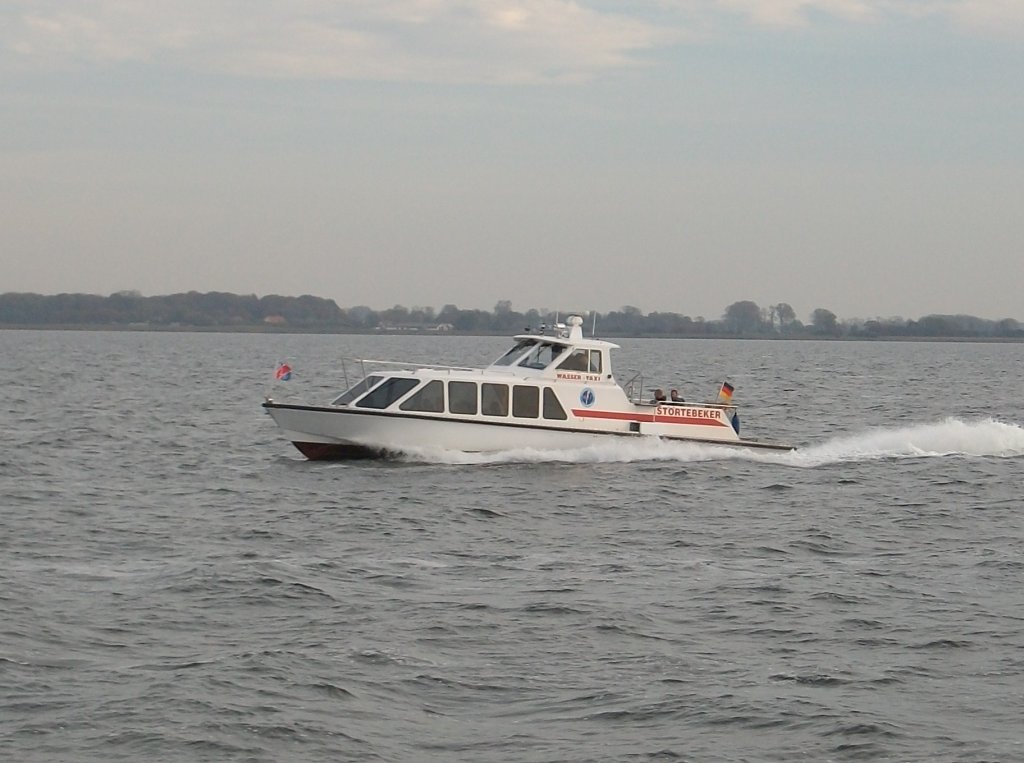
593	326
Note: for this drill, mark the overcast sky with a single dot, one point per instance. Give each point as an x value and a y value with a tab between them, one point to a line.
866	156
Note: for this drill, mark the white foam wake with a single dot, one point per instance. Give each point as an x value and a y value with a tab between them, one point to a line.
952	437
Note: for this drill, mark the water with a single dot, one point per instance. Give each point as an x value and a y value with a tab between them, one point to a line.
179	585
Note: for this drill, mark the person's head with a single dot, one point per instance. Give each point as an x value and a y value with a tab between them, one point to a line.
674	394
659	394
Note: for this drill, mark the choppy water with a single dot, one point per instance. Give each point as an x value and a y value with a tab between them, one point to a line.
179	585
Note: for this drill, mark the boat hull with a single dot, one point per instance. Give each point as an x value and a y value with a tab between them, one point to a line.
326	433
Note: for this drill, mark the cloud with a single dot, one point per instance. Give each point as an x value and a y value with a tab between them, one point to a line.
790	13
991	16
1001	16
401	40
451	41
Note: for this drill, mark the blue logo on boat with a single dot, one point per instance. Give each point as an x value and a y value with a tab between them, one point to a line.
587	397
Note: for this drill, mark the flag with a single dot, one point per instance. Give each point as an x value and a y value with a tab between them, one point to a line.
283	372
725	393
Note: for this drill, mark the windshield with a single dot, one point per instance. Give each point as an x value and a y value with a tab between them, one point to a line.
359	388
387	393
510	357
543	355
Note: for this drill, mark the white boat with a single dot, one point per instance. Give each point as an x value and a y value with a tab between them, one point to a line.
552	390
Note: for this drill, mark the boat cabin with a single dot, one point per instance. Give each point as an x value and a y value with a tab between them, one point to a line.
562	353
522	382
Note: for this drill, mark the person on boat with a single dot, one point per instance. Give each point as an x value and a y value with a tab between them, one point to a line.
659	396
674	397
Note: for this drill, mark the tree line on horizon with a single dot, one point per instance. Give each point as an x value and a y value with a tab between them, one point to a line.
213	310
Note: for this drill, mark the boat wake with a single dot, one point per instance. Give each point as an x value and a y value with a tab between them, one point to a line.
952	437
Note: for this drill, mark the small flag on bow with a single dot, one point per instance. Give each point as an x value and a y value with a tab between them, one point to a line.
725	393
283	372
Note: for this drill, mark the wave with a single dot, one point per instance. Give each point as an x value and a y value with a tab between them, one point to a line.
952	437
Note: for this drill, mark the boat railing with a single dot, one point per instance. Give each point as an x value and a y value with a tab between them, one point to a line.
404	364
634	388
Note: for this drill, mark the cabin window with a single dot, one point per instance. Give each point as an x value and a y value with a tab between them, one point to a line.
552	408
358	389
542	356
387	393
429	399
595	361
525	402
512	355
494	399
462	397
577	361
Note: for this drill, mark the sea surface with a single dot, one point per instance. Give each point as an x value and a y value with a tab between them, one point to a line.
178	584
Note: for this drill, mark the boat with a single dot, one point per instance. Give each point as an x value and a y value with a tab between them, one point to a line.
552	390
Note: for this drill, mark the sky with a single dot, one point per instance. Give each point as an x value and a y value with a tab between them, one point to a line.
862	156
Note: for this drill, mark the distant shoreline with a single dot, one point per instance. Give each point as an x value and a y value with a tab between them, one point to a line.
307	314
455	333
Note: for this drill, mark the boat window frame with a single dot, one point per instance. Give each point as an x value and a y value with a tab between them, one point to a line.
578	360
534	360
551	406
522	405
415	401
357	390
515	352
404	384
500	410
452	398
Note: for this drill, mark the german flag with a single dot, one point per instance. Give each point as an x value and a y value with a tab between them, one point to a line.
725	393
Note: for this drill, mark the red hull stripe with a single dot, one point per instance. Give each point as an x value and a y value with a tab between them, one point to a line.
689	420
585	413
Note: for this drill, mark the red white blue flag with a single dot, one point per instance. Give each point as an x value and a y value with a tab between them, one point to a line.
283	372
